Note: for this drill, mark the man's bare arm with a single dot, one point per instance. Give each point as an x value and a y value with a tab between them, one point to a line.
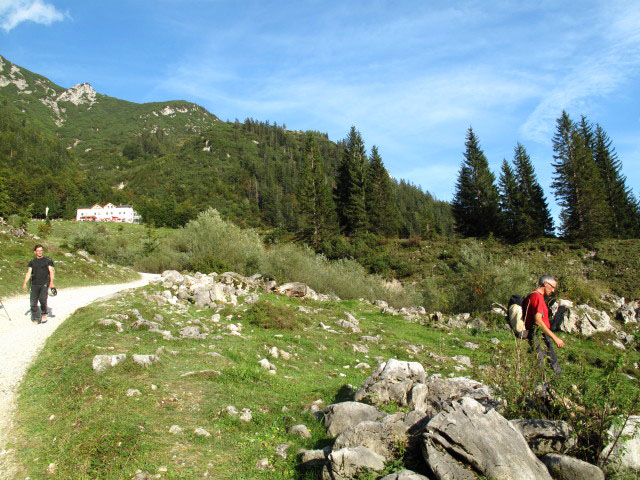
26	278
547	330
52	272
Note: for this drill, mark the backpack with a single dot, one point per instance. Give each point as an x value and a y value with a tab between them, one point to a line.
515	317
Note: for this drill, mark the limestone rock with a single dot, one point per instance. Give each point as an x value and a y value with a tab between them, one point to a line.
263	464
297	289
145	360
103	362
546	436
340	416
192	332
437	392
391	382
299	430
314	458
282	450
626	452
465	434
201	432
175	430
405	475
346	463
562	467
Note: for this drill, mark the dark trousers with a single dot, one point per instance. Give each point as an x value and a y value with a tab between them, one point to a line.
536	340
39	293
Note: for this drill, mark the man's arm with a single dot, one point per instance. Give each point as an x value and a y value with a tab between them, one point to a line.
26	278
547	331
52	272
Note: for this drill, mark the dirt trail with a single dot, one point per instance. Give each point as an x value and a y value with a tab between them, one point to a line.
21	340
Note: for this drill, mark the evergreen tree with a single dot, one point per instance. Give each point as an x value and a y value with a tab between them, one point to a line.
623	205
382	211
509	202
350	185
578	186
476	202
532	208
317	211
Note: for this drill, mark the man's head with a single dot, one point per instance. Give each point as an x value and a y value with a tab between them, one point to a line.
38	250
548	283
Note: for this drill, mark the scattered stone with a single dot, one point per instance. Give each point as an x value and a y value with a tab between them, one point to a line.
103	362
145	360
231	411
132	392
299	430
107	322
202	373
263	464
251	299
463	360
362	365
471	345
246	415
314	458
175	430
359	348
495	341
405	475
267	365
201	432
282	450
562	467
51	469
192	332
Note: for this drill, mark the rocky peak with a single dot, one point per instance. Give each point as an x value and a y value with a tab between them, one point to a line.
83	93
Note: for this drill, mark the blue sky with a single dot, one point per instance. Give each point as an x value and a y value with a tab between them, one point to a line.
412	76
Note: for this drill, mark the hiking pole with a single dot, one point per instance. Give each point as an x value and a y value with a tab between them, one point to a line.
6	312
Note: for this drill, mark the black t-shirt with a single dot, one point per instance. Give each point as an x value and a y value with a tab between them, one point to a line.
40	270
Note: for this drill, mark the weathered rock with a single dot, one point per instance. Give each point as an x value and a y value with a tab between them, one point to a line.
142	324
133	392
246	415
145	360
626	452
103	362
208	373
201	432
582	319
107	322
347	325
546	436
629	313
340	416
282	450
297	289
437	392
263	464
347	462
251	299
314	458
405	475
175	430
614	300
299	430
267	365
562	467
383	436
192	332
465	434
172	276
391	382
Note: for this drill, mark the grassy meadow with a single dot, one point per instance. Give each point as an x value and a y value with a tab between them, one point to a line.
85	423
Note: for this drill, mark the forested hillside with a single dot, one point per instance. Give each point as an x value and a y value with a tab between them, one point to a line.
174	159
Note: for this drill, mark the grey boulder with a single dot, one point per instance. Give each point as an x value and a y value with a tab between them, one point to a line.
346	463
626	451
437	392
562	467
391	382
466	438
405	475
546	436
341	416
103	362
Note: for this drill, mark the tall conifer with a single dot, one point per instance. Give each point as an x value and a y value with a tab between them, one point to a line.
509	202
623	205
475	204
350	185
382	211
533	211
578	186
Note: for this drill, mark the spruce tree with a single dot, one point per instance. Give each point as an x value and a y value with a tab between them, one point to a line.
533	211
509	202
623	205
317	212
382	211
350	185
578	186
476	202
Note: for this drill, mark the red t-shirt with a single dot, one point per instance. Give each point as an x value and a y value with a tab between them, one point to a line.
533	304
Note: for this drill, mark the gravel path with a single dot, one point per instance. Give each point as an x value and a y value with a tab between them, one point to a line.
21	340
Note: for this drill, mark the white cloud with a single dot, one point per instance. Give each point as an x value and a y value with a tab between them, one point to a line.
14	12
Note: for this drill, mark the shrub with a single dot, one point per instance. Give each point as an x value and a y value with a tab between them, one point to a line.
45	228
266	315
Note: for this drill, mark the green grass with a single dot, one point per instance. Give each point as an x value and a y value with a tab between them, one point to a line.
100	433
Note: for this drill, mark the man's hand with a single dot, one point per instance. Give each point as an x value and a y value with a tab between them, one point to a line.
24	287
559	342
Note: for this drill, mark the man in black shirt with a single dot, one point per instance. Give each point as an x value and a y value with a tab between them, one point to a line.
41	273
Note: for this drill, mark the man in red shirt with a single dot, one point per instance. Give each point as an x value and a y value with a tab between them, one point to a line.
537	320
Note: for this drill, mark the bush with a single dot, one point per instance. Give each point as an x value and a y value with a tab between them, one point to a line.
45	228
266	315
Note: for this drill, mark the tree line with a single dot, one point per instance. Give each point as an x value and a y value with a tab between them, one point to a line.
588	185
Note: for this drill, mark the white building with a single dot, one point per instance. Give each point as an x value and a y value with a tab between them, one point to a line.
108	213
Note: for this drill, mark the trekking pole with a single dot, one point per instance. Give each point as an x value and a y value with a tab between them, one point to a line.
6	312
